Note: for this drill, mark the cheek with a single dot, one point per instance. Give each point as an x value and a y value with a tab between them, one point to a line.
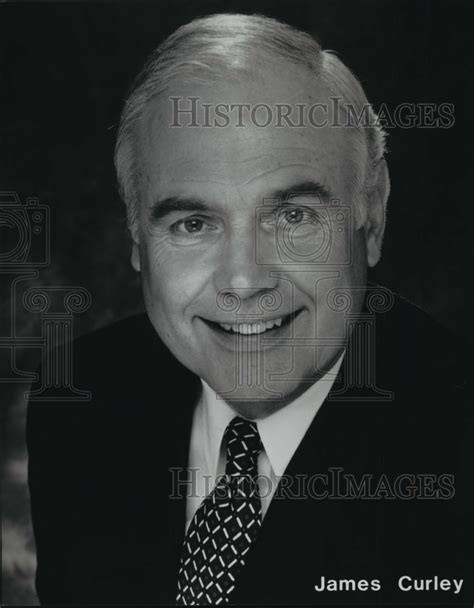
358	267
332	297
171	280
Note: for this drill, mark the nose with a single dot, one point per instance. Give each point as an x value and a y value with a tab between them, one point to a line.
239	274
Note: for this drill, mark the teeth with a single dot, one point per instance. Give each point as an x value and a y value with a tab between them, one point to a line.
252	328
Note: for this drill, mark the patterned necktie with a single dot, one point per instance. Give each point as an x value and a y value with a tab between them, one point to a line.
225	525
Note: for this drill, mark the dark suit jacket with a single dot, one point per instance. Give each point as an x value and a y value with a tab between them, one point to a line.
99	473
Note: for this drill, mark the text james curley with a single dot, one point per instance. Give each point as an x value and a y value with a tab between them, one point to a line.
404	583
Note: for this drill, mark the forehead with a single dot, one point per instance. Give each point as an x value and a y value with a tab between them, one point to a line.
178	158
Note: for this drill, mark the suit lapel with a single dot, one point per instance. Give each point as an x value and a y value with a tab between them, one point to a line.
167	422
305	535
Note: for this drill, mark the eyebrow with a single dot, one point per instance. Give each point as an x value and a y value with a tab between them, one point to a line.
308	188
163	207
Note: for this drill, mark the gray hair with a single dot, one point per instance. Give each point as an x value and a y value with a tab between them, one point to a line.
209	47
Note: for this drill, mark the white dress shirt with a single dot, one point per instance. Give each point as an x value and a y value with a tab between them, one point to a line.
281	433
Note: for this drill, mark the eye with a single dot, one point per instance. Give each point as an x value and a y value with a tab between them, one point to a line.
299	222
192	225
294	216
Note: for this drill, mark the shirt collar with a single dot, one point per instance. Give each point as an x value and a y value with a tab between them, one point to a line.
281	432
215	416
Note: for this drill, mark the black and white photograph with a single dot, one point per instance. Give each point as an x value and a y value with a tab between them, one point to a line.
236	261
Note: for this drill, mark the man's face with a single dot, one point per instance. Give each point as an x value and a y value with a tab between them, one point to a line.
245	237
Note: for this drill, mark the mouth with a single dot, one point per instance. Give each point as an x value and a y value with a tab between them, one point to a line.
251	328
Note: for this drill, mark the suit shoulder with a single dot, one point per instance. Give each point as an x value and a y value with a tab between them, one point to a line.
118	336
423	351
431	335
127	348
124	366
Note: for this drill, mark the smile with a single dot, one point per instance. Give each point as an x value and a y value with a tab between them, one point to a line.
253	328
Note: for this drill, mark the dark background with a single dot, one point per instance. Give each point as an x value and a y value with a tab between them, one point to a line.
65	70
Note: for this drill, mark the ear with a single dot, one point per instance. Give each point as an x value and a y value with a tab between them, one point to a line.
135	256
377	208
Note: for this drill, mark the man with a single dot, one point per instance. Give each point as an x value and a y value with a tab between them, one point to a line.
209	466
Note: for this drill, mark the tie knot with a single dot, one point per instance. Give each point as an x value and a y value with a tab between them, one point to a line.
243	447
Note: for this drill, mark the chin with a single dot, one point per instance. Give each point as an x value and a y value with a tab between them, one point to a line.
255	410
255	402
